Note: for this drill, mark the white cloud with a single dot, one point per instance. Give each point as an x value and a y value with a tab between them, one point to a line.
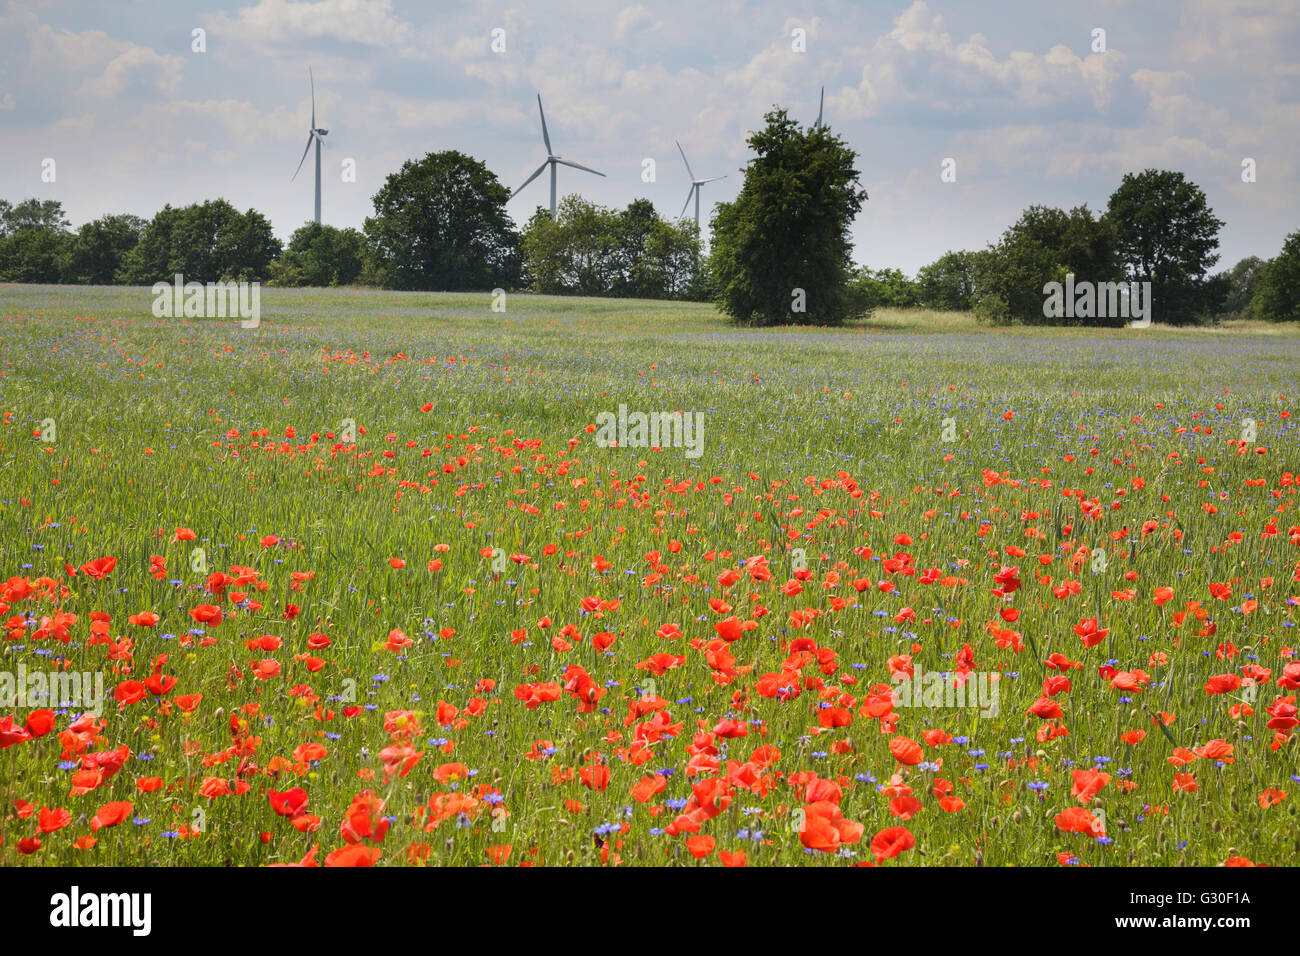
367	22
117	64
1258	36
630	18
779	75
918	65
1161	83
136	64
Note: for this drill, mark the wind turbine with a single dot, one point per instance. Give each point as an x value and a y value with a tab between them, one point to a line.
313	135
695	187
821	103
552	160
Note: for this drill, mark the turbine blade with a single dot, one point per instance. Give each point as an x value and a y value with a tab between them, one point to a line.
313	97
688	165
712	180
540	169
565	162
546	137
310	137
688	200
820	104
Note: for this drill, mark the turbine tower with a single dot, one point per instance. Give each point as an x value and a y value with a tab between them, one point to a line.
695	187
313	135
552	160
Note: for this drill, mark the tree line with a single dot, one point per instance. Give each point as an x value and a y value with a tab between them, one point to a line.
1142	236
781	250
439	224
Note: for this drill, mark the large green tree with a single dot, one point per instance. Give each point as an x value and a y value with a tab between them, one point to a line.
1045	245
948	283
34	242
590	250
781	249
205	242
34	255
1242	280
888	287
1168	236
672	266
100	248
321	255
32	214
440	223
543	252
634	231
656	259
588	247
1277	288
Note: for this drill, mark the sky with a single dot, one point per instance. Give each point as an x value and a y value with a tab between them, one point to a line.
1030	103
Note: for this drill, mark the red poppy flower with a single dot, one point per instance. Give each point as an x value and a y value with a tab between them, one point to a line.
208	614
891	841
111	814
99	568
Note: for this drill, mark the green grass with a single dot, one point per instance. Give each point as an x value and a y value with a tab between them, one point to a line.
796	419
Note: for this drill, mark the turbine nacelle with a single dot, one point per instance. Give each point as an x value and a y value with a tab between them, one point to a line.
694	192
552	160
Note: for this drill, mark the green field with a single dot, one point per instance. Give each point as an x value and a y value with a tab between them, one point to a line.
1098	462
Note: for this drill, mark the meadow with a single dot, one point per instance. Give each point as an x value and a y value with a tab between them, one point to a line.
363	588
